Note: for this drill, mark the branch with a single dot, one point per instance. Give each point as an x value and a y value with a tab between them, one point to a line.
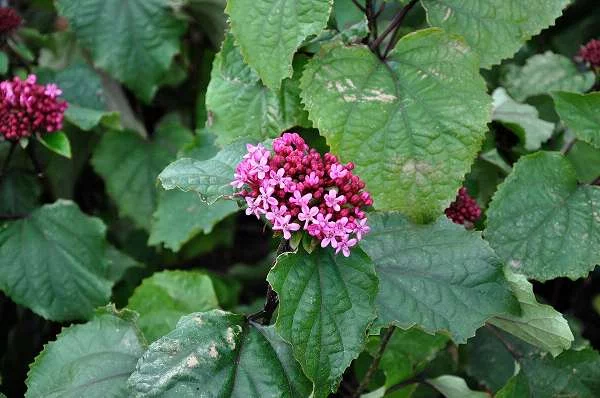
413	380
394	24
568	146
511	349
39	170
271	300
385	339
359	6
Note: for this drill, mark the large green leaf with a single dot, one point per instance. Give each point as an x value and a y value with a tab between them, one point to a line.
210	178
219	354
270	31
90	360
495	29
133	40
166	296
539	325
326	304
412	125
544	73
19	192
239	105
53	262
129	165
572	374
82	89
581	113
586	160
189	213
542	223
407	353
438	276
522	119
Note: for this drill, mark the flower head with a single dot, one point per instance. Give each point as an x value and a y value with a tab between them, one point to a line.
464	209
590	53
10	20
27	108
297	188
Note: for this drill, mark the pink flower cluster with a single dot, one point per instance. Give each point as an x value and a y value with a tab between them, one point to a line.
296	188
27	108
9	20
464	210
590	53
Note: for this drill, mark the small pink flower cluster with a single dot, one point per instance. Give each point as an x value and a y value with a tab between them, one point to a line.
9	20
27	108
464	210
297	188
590	53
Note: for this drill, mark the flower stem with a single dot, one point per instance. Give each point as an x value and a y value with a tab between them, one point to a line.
385	339
392	27
271	301
39	171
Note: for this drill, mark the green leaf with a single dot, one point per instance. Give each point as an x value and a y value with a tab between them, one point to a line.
166	296
269	32
541	223
571	374
189	213
53	262
495	29
544	73
4	63
454	387
438	276
240	106
219	354
493	156
539	325
412	126
57	142
147	40
586	161
82	89
580	113
19	193
89	360
132	185
408	352
117	264
522	119
487	359
209	178
326	304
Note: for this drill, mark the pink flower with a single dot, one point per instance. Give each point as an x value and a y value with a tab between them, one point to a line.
312	179
337	171
308	215
361	228
341	227
52	90
260	167
300	200
344	246
276	212
253	207
284	225
329	235
278	179
322	221
334	201
265	199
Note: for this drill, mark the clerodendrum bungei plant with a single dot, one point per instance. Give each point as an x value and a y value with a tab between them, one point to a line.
420	166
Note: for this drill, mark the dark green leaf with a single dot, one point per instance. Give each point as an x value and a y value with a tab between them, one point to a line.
219	354
581	114
439	276
133	40
57	142
326	304
541	223
53	262
90	360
